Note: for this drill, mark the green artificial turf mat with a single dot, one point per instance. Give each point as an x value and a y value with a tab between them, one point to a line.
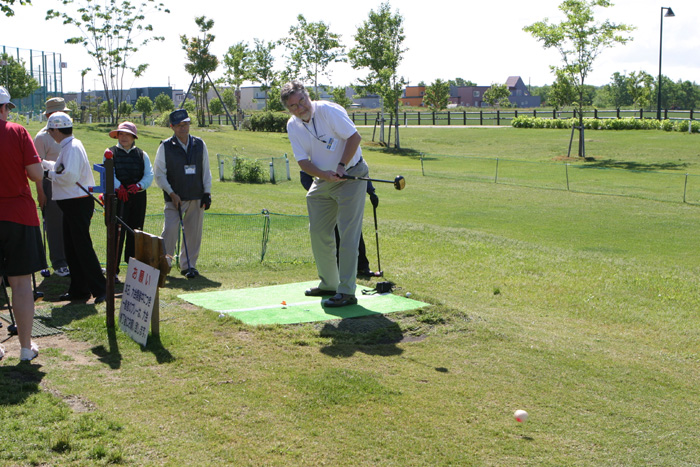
287	304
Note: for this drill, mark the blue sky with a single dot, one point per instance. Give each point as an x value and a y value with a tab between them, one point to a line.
477	41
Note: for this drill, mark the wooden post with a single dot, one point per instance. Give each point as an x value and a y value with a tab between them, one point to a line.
150	249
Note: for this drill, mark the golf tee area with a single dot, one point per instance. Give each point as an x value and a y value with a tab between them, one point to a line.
578	306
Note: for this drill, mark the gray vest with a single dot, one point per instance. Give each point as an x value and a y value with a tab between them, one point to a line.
187	187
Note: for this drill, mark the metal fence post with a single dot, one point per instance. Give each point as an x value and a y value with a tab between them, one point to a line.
685	187
286	162
272	170
496	179
566	165
422	169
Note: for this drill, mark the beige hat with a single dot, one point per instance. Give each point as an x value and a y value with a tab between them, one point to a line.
5	97
124	127
56	104
59	120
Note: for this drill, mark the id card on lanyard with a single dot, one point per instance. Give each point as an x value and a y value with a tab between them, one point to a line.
190	168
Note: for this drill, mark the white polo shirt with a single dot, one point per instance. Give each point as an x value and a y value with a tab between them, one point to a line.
322	140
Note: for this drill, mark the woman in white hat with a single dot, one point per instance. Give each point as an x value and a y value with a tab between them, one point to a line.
133	174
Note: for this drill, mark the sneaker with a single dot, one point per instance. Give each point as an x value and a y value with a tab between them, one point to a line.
62	271
340	299
27	355
2	352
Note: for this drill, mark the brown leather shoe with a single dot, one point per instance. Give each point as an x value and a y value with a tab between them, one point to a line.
340	299
317	292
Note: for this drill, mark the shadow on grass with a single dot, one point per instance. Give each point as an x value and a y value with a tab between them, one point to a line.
402	152
109	356
18	383
372	335
633	166
155	346
198	283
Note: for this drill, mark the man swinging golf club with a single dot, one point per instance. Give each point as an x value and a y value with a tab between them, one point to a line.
326	145
181	170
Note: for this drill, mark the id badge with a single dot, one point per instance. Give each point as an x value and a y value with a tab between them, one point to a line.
190	170
332	144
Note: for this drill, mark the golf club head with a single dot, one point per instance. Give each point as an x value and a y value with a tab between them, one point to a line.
38	295
45	273
399	182
12	329
190	274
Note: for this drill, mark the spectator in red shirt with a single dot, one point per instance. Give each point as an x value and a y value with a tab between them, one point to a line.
21	252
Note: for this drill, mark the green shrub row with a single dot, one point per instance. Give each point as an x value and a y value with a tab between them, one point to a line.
269	121
606	124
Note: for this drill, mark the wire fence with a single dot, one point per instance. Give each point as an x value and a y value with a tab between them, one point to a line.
244	169
645	184
232	239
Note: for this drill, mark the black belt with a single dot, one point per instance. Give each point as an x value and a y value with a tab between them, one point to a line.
358	163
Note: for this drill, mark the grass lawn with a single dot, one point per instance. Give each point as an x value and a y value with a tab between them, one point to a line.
581	309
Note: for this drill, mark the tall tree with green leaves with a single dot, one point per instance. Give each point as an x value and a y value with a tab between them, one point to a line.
15	77
562	92
437	95
201	62
261	66
496	94
579	39
378	47
237	65
312	47
111	32
5	6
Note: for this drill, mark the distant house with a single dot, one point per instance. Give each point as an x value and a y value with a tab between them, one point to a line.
413	96
519	94
473	96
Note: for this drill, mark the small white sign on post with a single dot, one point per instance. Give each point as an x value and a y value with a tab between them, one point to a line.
137	300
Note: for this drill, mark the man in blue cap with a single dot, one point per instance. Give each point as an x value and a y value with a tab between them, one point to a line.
182	172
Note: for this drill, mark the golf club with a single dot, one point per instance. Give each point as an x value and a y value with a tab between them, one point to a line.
380	273
12	328
190	273
44	272
119	219
399	182
37	294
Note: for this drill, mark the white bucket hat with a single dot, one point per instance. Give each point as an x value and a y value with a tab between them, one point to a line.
59	120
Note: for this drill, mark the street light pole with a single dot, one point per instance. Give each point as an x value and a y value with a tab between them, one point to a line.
669	14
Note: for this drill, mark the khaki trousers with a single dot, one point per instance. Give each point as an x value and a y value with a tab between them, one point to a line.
192	219
342	204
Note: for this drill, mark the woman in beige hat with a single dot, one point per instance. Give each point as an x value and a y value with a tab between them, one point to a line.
133	174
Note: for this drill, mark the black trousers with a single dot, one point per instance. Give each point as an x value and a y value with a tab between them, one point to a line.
133	212
85	271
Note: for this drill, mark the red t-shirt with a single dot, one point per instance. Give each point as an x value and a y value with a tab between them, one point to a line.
16	152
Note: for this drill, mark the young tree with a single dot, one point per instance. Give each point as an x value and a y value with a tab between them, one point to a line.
312	47
579	39
112	32
639	88
201	63
496	94
237	63
229	97
340	97
164	103
125	109
562	91
14	76
378	48
261	65
437	95
144	104
216	107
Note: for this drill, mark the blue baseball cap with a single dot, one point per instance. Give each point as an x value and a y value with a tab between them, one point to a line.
179	115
